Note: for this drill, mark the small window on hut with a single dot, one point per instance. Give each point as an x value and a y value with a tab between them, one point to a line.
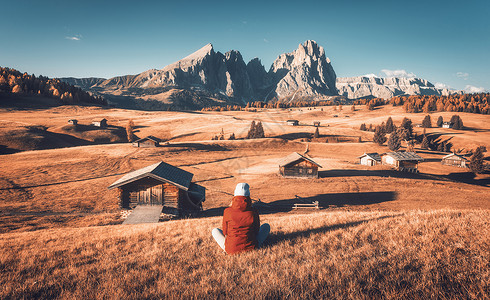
310	171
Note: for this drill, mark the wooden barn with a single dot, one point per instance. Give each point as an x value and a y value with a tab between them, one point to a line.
370	159
293	122
161	184
100	123
297	165
456	160
147	142
73	121
447	125
402	161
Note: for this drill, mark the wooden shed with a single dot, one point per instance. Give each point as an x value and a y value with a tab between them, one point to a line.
147	142
73	121
297	165
402	161
447	125
293	122
456	160
370	159
100	123
161	184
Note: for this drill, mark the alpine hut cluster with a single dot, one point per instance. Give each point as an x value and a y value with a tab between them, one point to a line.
161	184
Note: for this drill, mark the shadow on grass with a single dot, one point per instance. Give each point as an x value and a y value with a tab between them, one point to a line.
276	238
196	146
324	201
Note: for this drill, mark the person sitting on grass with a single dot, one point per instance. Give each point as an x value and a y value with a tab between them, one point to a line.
241	224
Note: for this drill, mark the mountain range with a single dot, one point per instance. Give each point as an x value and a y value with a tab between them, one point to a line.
207	77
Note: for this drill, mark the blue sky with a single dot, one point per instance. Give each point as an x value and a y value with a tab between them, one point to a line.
445	42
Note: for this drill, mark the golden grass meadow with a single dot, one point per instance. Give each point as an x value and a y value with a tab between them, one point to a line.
380	234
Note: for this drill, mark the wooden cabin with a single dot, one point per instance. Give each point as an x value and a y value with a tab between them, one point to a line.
370	159
101	123
402	161
73	121
316	124
147	142
161	184
447	125
297	165
293	122
456	160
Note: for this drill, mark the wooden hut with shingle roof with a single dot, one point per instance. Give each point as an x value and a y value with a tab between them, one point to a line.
297	165
161	184
402	161
454	159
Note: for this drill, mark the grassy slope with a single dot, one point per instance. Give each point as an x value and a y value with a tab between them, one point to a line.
415	254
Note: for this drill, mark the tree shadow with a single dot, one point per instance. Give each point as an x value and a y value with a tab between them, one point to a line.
293	237
374	173
469	178
196	146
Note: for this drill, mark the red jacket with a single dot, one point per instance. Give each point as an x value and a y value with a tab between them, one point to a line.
240	225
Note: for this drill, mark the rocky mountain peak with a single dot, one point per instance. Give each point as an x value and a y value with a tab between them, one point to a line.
305	71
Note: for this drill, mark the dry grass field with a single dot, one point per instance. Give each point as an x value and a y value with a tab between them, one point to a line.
379	234
410	255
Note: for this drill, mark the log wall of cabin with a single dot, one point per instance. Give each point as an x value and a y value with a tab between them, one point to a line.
149	193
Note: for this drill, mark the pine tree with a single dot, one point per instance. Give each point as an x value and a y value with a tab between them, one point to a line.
259	131
440	121
476	160
457	122
426	123
130	131
389	127
251	131
425	143
316	134
394	142
407	124
363	127
379	135
232	136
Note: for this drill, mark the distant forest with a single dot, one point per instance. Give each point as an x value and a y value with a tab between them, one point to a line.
13	82
472	103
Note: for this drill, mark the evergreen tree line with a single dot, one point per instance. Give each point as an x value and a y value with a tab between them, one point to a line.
405	133
471	103
15	82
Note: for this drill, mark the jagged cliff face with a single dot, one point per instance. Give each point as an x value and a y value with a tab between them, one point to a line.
361	86
305	71
207	77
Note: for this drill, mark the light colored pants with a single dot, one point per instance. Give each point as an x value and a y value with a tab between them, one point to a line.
263	233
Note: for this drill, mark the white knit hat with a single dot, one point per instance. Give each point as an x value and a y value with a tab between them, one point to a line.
242	189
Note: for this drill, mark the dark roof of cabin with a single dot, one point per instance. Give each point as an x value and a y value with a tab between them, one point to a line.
373	155
294	157
456	156
159	171
151	138
292	121
404	156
